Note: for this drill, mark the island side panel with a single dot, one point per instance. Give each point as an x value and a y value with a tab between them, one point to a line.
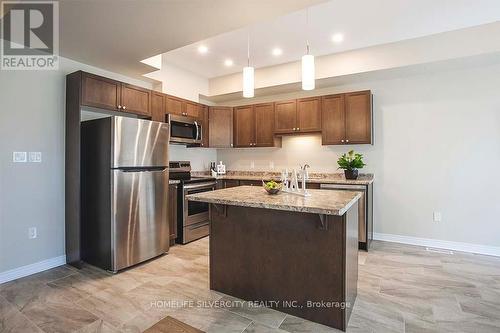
351	258
270	255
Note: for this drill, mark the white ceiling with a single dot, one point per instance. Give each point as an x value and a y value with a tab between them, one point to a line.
362	22
118	34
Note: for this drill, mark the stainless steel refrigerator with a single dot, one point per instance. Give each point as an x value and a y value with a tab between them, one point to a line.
124	191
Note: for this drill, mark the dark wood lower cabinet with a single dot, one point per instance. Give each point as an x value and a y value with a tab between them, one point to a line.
231	183
172	211
250	183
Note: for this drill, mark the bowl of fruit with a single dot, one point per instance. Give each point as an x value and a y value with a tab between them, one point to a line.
272	187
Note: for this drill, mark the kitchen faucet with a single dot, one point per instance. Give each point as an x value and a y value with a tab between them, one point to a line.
305	175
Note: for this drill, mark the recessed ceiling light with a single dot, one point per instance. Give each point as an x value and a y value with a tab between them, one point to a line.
202	49
228	62
337	38
277	51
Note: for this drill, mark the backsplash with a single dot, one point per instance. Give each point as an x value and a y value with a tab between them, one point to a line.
295	151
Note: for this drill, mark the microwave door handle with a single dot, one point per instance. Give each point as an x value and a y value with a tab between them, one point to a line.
197	130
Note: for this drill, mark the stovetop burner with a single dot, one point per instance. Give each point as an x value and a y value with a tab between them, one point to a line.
181	170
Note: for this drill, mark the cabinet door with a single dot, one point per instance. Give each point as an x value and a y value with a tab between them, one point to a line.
205	130
231	183
172	208
135	99
309	114
193	109
250	183
158	107
175	106
264	125
220	127
100	92
333	120
244	126
358	117
285	117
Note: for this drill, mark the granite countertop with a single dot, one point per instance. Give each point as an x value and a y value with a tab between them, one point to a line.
320	202
318	178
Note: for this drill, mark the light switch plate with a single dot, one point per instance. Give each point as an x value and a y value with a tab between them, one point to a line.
32	234
35	157
437	216
19	157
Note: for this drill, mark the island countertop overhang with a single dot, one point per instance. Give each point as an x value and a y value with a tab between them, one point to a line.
320	202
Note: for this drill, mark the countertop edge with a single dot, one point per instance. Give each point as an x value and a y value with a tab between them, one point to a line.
298	209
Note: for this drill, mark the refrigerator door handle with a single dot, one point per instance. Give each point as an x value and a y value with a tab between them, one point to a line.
141	169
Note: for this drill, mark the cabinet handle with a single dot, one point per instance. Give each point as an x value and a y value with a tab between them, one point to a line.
123	107
294	128
231	145
298	129
342	141
346	140
119	106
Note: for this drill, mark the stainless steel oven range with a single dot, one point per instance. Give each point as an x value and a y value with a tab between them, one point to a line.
193	217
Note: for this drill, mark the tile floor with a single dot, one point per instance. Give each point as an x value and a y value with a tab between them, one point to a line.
401	289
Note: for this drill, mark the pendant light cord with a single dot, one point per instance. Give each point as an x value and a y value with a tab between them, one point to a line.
307	30
248	49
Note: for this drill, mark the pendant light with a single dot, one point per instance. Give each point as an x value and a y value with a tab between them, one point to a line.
308	70
248	75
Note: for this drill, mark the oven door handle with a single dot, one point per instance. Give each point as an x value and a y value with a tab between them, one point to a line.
197	130
199	186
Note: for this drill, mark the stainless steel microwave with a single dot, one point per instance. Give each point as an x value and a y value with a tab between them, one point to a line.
185	130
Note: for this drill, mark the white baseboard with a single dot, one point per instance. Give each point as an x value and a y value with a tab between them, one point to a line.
37	267
440	244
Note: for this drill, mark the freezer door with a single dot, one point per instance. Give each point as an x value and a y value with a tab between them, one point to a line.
139	214
139	143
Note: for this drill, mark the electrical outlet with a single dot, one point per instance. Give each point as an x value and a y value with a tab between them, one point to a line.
271	165
32	234
252	165
19	157
35	157
437	216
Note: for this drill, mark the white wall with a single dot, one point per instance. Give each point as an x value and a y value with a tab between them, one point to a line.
32	113
437	148
181	83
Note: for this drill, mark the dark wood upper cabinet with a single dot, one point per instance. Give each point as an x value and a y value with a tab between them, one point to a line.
192	109
176	106
285	116
347	118
264	125
135	99
309	114
100	92
244	126
205	126
333	119
158	106
220	127
358	119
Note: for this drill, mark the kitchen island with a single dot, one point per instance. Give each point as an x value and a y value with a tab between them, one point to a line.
298	255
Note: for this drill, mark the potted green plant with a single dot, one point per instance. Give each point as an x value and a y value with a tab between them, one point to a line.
350	163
